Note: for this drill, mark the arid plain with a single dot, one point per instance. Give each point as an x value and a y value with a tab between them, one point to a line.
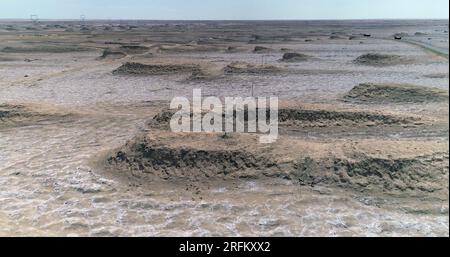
86	149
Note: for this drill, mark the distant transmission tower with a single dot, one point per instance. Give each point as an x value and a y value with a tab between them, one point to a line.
82	19
34	18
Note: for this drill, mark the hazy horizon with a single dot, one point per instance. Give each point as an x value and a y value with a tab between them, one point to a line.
225	10
117	19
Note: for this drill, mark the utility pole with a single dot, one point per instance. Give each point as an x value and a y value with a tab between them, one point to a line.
82	19
34	18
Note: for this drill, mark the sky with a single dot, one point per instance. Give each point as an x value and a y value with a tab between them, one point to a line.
225	9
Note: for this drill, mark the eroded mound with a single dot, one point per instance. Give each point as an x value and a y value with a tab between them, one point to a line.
134	49
189	49
374	59
363	165
261	49
45	49
235	49
336	37
355	37
133	68
304	118
247	68
151	156
19	115
6	59
396	93
9	111
205	74
322	118
437	76
295	57
111	54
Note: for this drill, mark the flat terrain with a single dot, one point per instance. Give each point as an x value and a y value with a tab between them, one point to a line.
85	147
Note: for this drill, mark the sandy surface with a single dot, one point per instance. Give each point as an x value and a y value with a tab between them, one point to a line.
64	113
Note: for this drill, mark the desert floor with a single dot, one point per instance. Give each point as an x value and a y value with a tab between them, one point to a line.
84	150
